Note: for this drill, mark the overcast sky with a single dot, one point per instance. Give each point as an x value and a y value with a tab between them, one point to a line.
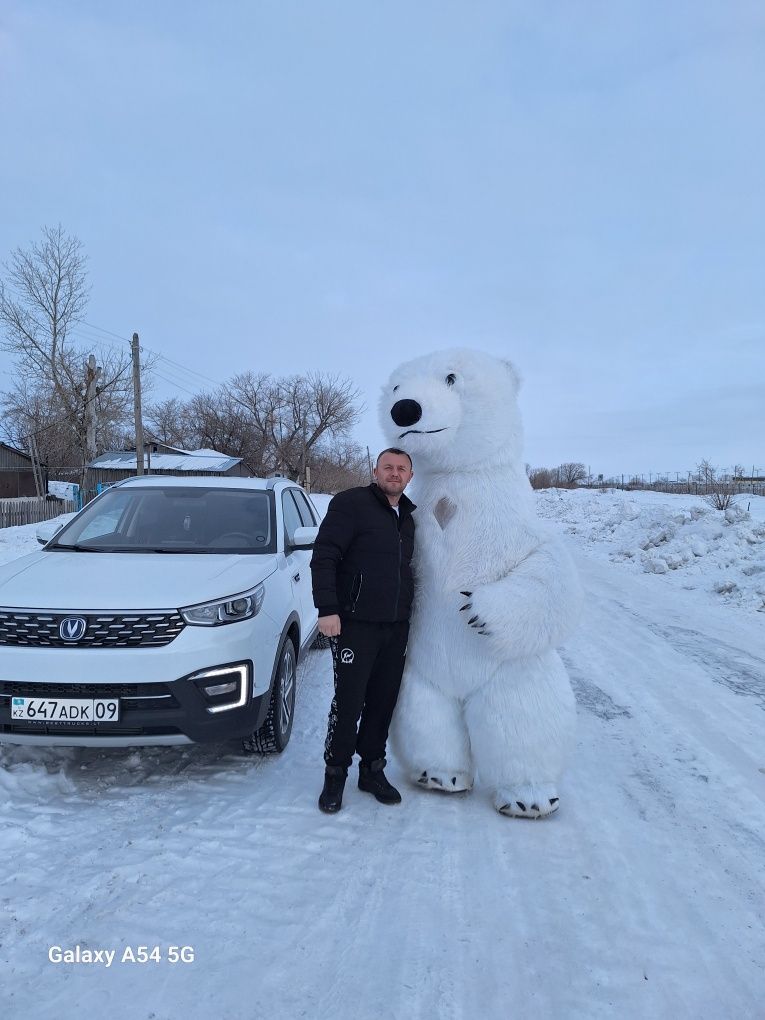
283	186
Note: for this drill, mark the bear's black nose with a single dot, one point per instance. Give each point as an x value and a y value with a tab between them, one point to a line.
406	412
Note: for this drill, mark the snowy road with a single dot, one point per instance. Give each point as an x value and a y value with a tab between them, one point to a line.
643	898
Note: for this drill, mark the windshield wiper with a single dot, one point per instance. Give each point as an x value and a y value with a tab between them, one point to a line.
171	551
79	548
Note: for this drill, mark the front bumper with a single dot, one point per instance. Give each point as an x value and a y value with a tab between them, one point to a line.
159	702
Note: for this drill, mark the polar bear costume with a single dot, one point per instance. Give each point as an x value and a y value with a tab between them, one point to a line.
484	689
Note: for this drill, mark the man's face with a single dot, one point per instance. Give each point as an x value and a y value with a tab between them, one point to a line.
393	473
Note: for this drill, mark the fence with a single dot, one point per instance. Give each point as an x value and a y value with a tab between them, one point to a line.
32	510
685	486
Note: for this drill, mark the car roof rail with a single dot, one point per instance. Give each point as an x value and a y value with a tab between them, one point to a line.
271	482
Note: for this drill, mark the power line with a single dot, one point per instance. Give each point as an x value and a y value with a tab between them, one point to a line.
101	334
164	357
169	372
100	329
173	382
185	369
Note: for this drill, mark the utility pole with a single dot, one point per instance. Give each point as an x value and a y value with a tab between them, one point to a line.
135	351
92	375
36	466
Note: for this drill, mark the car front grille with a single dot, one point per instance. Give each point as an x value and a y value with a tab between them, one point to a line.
133	692
102	630
63	730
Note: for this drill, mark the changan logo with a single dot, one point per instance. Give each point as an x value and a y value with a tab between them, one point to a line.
72	628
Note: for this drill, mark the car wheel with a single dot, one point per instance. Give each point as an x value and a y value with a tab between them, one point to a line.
274	735
321	641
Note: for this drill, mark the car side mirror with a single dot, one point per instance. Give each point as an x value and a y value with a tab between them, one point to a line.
47	531
303	538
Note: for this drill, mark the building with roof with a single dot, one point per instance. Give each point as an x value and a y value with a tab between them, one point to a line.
17	477
161	459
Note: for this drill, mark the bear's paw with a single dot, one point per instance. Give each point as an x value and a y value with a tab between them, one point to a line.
444	781
527	801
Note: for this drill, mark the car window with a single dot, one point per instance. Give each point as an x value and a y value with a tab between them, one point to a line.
106	517
304	509
180	519
292	519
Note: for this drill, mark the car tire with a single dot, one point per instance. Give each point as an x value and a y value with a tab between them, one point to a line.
321	641
274	735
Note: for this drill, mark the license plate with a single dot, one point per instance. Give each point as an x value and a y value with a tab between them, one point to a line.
67	710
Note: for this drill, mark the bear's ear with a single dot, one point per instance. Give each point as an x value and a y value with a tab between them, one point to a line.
514	373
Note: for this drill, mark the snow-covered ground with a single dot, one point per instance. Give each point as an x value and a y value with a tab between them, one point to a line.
695	547
644	897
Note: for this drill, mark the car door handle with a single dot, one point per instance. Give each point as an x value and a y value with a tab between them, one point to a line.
296	577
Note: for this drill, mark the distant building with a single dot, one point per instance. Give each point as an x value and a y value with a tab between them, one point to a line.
161	459
16	474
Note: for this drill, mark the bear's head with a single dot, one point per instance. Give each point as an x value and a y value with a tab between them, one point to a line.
453	410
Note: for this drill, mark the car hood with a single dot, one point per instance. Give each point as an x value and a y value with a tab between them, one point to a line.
105	581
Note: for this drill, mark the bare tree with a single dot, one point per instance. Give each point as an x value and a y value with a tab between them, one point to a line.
718	493
42	298
274	425
259	396
31	407
706	472
45	295
311	407
167	422
540	478
571	474
338	465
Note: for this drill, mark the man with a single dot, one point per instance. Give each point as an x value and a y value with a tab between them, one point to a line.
363	589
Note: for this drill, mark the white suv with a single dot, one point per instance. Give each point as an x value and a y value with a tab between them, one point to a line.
168	610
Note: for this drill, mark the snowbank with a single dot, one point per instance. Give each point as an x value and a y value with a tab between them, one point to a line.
15	542
679	538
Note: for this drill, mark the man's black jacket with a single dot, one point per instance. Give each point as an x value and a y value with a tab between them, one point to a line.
361	563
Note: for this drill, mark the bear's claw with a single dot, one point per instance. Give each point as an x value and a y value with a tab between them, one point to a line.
446	782
528	803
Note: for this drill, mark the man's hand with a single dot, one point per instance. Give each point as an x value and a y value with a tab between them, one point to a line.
329	626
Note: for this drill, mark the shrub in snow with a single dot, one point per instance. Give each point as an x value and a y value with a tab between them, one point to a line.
483	686
721	497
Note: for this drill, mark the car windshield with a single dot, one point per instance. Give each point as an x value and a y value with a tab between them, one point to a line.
140	519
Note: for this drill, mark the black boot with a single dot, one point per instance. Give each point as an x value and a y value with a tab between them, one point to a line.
372	780
331	797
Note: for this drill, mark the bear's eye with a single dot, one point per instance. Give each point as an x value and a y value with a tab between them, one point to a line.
451	379
395	388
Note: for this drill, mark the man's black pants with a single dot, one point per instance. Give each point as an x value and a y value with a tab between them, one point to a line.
368	660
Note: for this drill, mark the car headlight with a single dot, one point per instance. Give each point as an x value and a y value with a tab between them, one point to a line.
228	610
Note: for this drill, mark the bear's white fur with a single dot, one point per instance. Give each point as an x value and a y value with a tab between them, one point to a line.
498	702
